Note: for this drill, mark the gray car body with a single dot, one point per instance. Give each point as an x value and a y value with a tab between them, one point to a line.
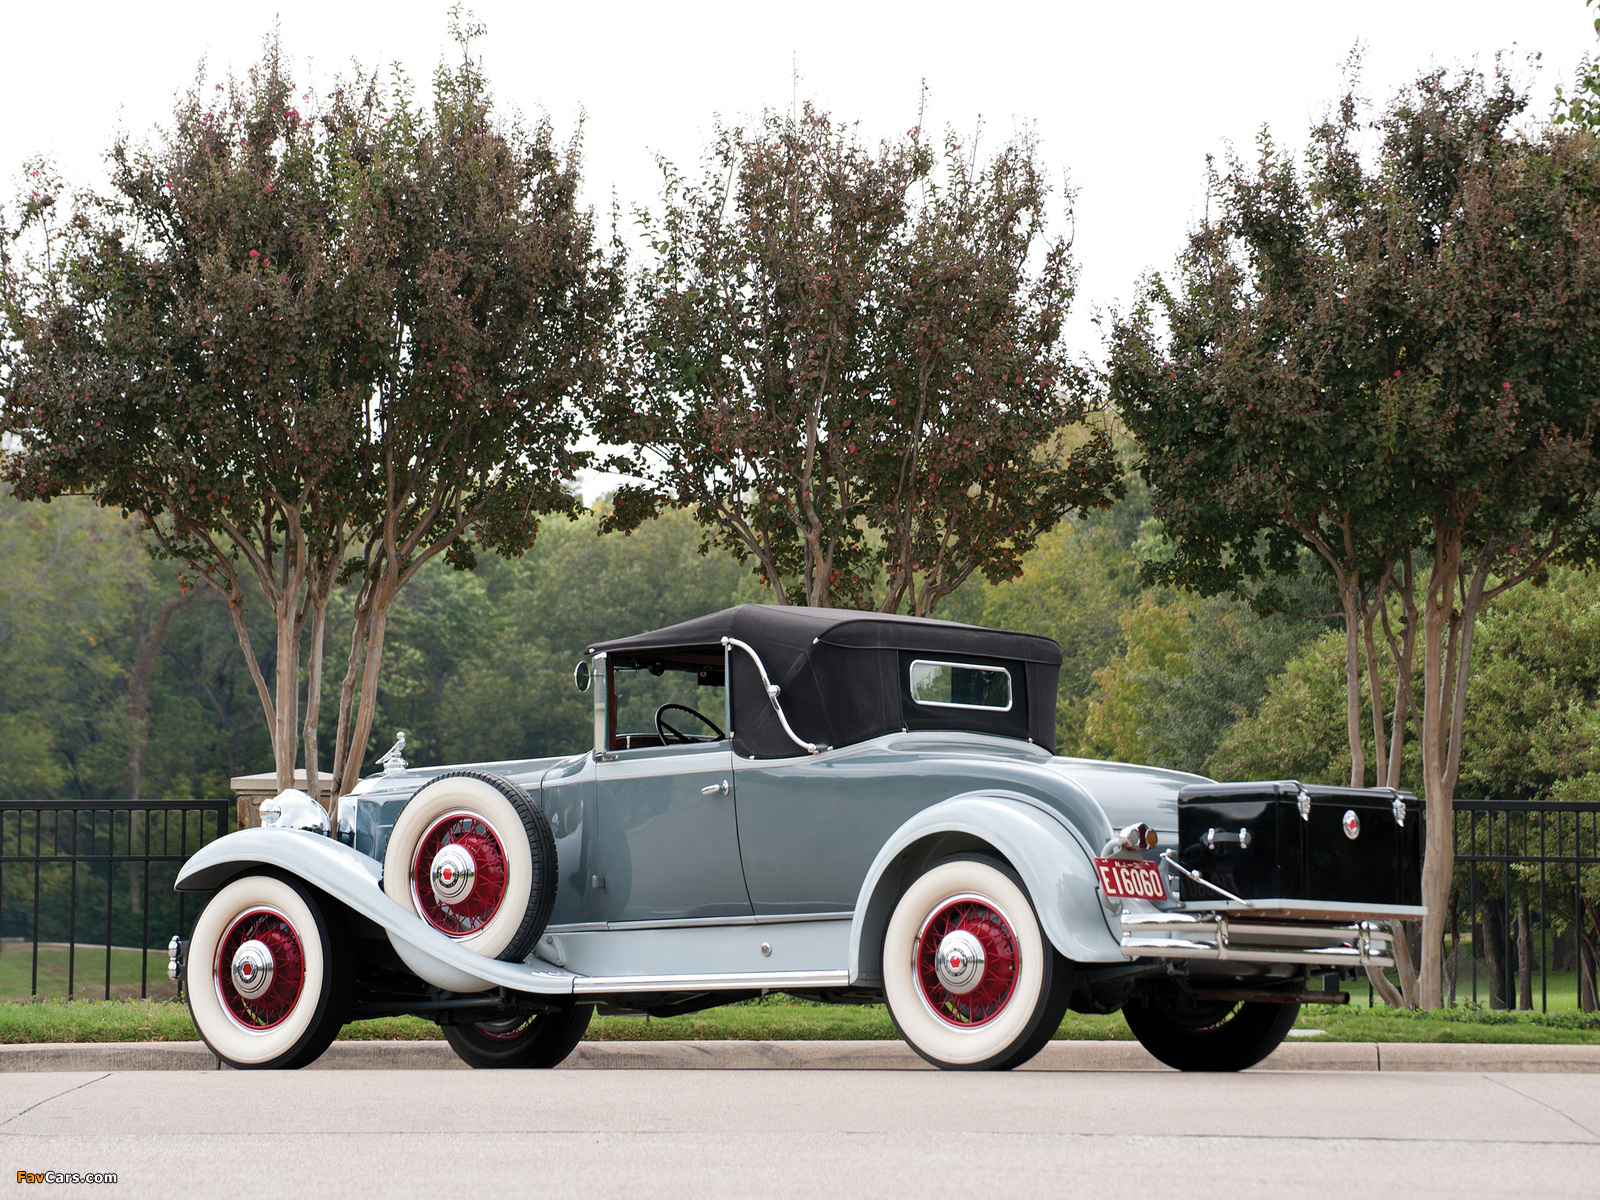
786	880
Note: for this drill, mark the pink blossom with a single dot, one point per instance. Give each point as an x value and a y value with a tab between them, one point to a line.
257	253
1506	384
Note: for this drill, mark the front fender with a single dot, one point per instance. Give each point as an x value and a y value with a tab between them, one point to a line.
1052	861
354	880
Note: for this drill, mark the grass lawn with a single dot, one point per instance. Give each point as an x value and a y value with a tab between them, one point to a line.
89	971
780	1018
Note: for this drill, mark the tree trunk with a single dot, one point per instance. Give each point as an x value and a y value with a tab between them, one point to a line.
1495	960
1386	990
308	735
1586	971
1405	960
1352	677
286	689
1452	965
1524	956
1438	861
360	727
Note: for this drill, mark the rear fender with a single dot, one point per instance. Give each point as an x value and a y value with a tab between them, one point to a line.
1051	859
355	880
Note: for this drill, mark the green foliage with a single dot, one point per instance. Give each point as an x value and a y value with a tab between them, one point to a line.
1535	697
1192	668
1158	639
1233	655
1296	730
849	365
1074	587
516	696
479	663
76	592
1531	730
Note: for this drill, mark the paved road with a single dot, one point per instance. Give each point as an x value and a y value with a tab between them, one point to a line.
651	1133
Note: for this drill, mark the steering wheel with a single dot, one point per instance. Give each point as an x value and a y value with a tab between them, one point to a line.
670	736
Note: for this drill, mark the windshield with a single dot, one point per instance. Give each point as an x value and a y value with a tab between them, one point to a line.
689	684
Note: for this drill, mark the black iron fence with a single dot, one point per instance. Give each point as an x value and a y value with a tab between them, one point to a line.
1525	905
86	898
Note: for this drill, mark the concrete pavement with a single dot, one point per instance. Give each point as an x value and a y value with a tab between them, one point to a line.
782	1133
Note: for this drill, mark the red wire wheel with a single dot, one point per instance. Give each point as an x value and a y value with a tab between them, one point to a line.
503	1031
458	874
967	962
260	969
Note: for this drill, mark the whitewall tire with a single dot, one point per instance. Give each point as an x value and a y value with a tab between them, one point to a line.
473	856
970	979
268	974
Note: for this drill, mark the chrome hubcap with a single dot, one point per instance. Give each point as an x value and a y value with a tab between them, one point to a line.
252	969
960	962
452	875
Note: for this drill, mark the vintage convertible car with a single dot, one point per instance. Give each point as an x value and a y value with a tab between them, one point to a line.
849	807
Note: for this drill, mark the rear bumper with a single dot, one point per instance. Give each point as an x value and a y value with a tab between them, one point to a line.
1287	933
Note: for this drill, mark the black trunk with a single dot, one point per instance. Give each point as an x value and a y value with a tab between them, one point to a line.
1494	949
1524	956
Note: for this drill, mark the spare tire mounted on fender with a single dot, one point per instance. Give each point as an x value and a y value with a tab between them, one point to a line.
473	856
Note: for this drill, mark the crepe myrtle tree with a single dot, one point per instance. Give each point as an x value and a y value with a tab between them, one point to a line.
189	347
498	306
1393	360
850	367
311	349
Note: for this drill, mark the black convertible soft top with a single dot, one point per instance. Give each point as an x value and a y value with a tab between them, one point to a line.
844	675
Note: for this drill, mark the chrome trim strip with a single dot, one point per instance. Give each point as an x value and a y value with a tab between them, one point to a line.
599	673
1280	906
1217	937
695	923
769	980
1181	922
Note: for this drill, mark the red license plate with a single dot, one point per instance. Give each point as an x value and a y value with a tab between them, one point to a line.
1137	880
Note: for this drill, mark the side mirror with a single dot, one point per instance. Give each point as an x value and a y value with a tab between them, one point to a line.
581	676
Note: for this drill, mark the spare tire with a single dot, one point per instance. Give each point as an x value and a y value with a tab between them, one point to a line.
473	856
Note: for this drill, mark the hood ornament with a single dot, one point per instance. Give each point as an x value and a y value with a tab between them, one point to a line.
393	762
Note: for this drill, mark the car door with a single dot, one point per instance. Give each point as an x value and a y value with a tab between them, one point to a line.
668	835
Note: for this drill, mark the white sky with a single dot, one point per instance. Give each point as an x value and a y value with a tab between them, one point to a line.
1127	99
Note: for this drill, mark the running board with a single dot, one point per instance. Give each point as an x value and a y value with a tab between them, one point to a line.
588	985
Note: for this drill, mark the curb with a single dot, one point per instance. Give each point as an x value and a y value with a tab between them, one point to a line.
815	1056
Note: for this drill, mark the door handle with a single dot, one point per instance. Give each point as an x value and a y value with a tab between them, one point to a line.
711	789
